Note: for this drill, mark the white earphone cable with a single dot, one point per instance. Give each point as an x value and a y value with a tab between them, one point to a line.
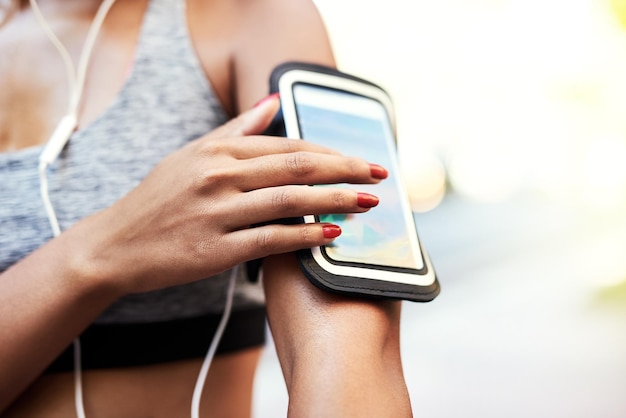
61	136
67	60
75	78
206	364
85	57
51	151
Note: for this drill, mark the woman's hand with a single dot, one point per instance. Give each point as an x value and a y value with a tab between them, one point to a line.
190	218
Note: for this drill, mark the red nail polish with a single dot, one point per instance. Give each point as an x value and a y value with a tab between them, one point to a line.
366	200
267	98
378	171
331	231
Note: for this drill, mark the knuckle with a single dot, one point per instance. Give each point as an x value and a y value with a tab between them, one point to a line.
353	166
211	148
284	199
338	198
299	164
289	145
211	177
265	240
306	234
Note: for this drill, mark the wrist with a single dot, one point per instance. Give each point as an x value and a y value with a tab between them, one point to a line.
86	270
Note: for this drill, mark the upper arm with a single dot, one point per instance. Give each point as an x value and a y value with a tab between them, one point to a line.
270	33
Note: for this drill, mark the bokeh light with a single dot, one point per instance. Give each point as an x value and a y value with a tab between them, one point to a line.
511	96
425	178
619	9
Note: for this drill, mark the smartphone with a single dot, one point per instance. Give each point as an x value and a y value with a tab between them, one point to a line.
379	253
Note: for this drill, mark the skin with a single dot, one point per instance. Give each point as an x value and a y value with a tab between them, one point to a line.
340	356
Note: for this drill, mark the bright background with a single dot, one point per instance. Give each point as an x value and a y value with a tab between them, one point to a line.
512	137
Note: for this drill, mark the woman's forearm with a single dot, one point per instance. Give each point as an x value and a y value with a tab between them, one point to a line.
46	300
340	356
187	220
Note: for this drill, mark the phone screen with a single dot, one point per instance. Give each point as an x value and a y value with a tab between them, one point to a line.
360	126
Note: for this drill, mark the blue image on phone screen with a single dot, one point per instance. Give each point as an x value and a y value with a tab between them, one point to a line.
359	126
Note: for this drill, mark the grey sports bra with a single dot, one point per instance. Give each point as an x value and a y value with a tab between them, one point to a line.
106	159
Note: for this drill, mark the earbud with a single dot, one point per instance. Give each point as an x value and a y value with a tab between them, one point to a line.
57	141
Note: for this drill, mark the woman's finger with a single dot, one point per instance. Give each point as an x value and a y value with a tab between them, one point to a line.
300	168
251	122
248	147
276	238
268	204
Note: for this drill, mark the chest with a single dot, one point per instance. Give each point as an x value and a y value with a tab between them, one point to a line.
161	104
34	89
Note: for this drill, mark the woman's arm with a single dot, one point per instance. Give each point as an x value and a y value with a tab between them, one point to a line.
340	356
185	221
45	301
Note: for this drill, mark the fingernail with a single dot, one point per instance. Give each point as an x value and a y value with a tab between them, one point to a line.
378	172
266	99
331	231
366	200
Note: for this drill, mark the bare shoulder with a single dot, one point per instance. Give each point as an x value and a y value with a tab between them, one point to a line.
272	32
278	15
239	42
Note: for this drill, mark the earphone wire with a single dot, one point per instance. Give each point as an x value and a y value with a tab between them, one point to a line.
85	57
51	151
61	135
208	359
206	364
65	55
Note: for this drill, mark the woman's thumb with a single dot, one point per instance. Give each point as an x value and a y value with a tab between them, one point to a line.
253	121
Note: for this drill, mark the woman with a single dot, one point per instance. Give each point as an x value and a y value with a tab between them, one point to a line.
153	195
